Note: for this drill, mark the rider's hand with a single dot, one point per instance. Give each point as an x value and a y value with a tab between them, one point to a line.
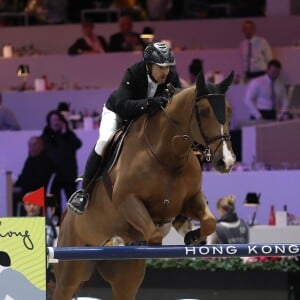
171	89
156	102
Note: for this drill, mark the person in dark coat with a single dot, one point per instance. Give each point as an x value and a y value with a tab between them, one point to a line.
61	144
126	39
141	91
36	173
90	42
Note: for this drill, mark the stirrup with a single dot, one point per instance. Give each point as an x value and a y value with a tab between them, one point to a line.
82	197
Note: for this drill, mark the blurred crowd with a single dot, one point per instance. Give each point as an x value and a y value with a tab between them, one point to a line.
67	11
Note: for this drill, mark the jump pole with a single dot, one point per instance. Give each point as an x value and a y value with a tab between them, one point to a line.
148	252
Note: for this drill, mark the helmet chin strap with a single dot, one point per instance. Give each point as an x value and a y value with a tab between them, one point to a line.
149	72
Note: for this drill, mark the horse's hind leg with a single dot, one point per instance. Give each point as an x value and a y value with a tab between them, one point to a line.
69	275
124	276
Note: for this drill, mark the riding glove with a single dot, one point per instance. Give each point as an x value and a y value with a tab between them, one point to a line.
171	90
152	104
156	102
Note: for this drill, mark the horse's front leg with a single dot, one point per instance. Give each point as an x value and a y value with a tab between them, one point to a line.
198	209
135	213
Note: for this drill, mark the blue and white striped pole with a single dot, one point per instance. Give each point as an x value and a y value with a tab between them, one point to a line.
145	252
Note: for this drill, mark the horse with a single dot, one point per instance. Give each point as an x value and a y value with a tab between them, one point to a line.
156	177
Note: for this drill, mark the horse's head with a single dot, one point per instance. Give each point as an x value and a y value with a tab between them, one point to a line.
211	122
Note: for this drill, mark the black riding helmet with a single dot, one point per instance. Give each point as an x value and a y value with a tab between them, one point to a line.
159	54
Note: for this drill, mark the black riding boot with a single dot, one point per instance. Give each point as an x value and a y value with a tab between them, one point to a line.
79	200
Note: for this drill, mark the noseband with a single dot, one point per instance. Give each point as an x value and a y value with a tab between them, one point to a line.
205	149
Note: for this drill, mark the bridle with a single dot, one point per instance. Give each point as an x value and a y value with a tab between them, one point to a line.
183	135
205	149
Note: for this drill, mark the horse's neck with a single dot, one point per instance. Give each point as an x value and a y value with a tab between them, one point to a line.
169	132
181	107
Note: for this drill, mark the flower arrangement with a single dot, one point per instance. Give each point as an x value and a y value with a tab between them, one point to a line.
282	264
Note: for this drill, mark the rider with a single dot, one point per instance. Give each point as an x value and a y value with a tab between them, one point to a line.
141	91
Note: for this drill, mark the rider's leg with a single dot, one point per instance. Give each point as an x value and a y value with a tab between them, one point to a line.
109	124
79	200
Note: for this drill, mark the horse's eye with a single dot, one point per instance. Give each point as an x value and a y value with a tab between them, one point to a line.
204	113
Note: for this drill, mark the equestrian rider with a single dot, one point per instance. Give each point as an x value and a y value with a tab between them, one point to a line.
141	91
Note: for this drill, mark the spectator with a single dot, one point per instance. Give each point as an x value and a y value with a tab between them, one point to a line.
157	9
36	173
135	8
126	39
8	120
64	109
255	51
147	35
34	210
36	11
56	11
196	9
141	91
89	43
61	144
195	67
230	228
266	95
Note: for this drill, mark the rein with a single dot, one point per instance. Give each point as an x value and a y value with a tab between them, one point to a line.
148	144
174	170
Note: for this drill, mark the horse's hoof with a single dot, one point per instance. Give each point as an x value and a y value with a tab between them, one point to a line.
114	241
193	238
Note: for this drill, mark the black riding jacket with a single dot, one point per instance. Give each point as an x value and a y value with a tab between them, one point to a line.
125	100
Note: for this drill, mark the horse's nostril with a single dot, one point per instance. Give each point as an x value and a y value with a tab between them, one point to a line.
221	163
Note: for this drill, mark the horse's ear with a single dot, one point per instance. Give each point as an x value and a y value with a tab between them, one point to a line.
223	85
200	85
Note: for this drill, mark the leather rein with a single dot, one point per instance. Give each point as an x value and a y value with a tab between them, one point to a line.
205	149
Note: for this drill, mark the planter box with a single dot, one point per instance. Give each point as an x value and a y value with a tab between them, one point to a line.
174	283
220	279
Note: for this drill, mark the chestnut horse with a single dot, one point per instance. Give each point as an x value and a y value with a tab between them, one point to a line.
156	178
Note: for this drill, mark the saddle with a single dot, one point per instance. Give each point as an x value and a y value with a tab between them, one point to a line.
113	147
110	156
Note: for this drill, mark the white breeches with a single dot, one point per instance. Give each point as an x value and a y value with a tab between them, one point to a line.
110	122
